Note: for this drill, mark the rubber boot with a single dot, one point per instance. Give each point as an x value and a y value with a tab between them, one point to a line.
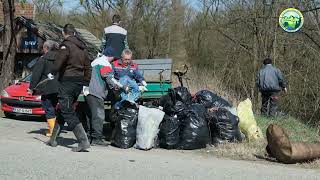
51	123
82	138
98	142
284	151
55	133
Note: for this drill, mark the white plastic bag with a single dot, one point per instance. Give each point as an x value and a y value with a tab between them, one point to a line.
149	120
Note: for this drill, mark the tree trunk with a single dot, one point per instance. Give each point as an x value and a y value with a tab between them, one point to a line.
9	44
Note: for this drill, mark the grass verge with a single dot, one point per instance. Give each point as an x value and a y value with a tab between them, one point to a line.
255	151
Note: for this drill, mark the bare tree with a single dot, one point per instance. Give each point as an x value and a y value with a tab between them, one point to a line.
9	44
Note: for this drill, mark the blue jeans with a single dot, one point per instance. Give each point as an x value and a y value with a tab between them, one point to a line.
132	96
49	103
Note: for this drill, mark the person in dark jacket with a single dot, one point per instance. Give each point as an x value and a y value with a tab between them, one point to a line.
47	89
270	82
115	36
73	65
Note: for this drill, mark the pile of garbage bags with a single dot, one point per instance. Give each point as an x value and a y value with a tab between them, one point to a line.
192	123
183	121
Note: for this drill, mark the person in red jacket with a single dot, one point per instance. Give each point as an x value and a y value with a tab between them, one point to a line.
130	77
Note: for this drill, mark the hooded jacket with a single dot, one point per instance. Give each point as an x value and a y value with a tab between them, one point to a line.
72	61
270	79
39	73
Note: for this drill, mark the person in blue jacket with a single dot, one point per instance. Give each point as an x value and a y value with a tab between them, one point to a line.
270	82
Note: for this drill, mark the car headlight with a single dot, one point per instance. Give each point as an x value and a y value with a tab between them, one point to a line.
38	98
4	94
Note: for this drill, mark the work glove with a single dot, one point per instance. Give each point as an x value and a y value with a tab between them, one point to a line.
144	83
85	90
142	89
99	54
29	91
50	76
285	90
126	89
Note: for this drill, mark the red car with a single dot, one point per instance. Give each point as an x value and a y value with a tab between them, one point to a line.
16	101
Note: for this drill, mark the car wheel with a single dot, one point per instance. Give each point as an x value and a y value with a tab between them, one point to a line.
8	115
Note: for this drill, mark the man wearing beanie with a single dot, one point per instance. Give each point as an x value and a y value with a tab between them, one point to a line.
101	77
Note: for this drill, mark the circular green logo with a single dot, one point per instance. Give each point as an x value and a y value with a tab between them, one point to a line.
291	20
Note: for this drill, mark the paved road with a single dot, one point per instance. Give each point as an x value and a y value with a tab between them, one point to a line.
23	155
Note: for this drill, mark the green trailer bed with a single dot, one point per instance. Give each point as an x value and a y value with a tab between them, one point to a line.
157	73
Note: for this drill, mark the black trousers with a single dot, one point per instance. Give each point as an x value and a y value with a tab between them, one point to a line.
97	116
49	103
269	105
68	94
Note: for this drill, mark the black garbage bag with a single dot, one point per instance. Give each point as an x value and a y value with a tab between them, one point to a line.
194	132
169	132
223	126
182	94
167	103
210	99
125	125
175	101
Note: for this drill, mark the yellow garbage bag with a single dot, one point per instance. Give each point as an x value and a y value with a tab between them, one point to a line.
248	124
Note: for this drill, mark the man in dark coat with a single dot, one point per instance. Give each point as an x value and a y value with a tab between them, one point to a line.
115	36
41	86
270	82
73	65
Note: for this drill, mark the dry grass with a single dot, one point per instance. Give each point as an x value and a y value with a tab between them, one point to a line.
238	151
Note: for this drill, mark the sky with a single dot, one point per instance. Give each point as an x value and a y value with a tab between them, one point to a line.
70	4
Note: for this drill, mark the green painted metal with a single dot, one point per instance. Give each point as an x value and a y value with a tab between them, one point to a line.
156	90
